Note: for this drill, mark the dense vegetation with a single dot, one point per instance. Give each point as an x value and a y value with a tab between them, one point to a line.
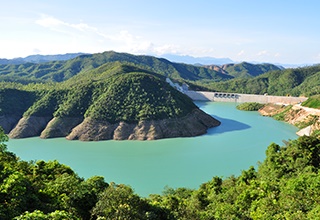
295	82
250	106
138	96
58	71
286	185
312	102
245	69
113	92
15	101
241	78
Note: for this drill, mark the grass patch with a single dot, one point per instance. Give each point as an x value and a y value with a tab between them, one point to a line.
250	106
316	133
310	121
312	102
281	116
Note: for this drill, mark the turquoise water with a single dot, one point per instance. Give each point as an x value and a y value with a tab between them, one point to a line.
149	166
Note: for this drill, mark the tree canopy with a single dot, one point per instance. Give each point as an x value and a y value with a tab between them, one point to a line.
295	82
113	92
285	185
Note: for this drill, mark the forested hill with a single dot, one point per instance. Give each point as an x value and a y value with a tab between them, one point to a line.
295	82
244	69
242	78
114	101
58	71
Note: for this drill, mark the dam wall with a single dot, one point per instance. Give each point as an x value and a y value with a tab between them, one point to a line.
241	98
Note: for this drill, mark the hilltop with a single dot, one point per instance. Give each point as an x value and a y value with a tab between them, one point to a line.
58	68
113	101
58	71
244	69
294	82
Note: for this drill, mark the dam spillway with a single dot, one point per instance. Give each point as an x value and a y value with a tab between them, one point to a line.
241	98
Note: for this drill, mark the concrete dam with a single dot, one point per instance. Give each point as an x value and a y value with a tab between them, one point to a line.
241	98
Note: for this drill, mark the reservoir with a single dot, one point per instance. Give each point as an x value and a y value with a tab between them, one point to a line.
149	166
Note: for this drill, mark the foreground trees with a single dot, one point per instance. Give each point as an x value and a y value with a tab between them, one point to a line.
286	185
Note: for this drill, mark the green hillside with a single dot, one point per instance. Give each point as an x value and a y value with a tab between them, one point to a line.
139	96
113	92
296	82
245	70
312	102
16	101
58	71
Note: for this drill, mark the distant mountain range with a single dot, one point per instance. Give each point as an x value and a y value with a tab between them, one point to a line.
172	57
57	71
196	60
40	58
37	68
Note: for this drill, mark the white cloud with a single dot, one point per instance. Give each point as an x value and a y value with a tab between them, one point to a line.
262	53
47	21
120	40
36	51
242	52
165	49
80	36
84	36
277	55
61	26
51	22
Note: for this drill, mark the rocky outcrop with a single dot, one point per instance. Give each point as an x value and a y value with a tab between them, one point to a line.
75	128
271	109
7	122
217	68
92	130
60	127
307	119
195	123
29	127
307	131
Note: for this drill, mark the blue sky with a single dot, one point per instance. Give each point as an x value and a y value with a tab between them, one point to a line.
277	31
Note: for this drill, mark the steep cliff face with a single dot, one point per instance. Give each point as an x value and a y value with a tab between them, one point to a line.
29	127
76	128
195	123
60	126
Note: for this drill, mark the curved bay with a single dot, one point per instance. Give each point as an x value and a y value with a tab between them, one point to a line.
149	166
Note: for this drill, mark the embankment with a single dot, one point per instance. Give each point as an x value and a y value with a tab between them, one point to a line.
241	98
284	108
307	119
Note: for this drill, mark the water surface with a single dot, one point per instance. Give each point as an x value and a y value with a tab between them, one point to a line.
148	166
